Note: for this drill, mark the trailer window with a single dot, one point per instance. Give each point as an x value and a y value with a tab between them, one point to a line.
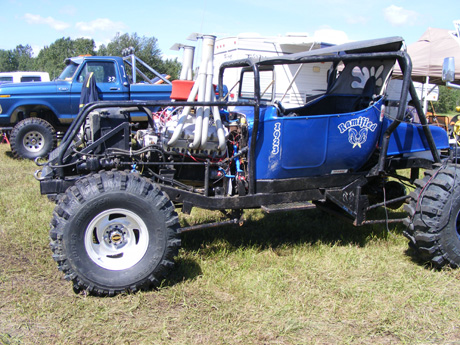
30	78
266	84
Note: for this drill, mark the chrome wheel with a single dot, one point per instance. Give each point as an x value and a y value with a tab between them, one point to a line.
114	232
33	141
116	239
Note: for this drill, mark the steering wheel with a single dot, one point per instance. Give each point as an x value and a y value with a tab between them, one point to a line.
281	109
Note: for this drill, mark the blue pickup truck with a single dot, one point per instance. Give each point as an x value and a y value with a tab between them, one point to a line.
35	112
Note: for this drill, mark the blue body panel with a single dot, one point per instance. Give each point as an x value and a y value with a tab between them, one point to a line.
301	146
409	138
149	92
304	146
21	94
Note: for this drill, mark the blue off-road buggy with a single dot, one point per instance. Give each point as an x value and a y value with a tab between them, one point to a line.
115	228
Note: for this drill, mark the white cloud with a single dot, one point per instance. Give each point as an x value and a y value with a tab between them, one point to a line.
101	30
331	36
68	10
398	16
100	24
53	23
104	41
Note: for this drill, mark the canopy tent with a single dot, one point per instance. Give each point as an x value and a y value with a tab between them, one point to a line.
428	54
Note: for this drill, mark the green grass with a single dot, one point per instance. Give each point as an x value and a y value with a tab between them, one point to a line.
294	278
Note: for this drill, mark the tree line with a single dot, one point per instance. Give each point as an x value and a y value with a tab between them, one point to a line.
51	58
448	100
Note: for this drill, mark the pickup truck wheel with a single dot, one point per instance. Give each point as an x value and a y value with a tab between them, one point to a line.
32	137
114	232
434	217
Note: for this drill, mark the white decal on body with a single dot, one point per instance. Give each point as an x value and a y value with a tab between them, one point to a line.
276	138
354	137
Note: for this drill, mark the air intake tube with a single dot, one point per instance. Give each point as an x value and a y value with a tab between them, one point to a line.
203	87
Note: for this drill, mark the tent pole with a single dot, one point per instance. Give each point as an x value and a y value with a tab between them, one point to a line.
424	123
425	94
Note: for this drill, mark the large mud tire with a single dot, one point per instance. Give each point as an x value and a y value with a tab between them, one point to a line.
32	137
433	225
114	232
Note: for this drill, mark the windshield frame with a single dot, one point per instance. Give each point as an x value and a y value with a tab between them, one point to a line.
69	71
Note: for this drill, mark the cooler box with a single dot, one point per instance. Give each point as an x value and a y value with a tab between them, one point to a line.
181	89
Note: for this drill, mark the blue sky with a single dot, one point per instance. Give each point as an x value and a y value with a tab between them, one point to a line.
41	22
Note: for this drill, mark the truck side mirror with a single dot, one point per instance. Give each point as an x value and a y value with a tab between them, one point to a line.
448	69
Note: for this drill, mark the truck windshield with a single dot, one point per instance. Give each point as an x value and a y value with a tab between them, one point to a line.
68	72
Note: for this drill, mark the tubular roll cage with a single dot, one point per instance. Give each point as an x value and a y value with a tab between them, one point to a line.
189	198
405	64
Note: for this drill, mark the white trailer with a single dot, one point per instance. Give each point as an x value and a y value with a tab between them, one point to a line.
430	92
306	78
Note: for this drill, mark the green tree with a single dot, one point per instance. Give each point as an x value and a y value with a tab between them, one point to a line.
18	59
447	101
24	58
83	46
145	48
8	61
172	67
51	59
